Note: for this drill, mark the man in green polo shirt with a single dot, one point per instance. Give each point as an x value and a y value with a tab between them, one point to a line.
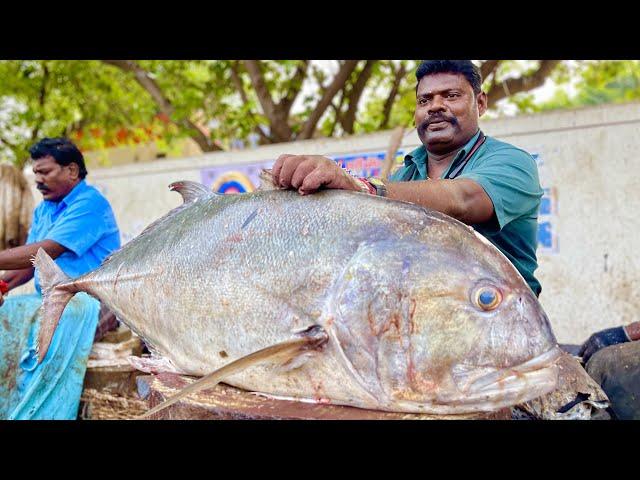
481	181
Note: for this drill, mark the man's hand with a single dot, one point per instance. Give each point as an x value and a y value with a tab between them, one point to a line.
13	279
309	173
599	340
4	289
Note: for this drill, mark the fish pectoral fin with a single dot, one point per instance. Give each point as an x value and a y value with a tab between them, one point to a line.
313	338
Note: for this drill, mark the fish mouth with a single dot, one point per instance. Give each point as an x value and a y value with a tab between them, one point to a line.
509	378
474	390
488	389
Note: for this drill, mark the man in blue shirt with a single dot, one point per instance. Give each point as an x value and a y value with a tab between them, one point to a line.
75	225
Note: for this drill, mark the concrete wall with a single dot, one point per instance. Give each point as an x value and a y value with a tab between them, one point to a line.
589	269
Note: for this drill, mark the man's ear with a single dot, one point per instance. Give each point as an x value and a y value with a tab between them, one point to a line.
74	170
482	103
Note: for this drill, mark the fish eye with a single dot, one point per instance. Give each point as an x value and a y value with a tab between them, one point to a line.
487	298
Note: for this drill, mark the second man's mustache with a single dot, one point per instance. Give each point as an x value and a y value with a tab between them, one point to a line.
438	118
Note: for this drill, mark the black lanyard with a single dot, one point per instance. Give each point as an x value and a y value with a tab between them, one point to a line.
458	168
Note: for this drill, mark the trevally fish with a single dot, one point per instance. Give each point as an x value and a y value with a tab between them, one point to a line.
337	297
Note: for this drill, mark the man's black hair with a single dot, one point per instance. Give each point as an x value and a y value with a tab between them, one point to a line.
62	150
463	67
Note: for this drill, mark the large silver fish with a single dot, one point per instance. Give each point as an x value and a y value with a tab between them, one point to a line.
358	300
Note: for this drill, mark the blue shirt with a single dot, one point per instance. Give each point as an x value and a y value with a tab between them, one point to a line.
82	222
509	176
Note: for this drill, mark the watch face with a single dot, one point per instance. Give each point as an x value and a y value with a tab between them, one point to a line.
381	188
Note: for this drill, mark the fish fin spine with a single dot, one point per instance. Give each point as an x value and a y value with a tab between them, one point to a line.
191	191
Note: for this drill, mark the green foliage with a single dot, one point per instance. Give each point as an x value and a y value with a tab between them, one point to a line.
101	105
594	83
54	98
372	115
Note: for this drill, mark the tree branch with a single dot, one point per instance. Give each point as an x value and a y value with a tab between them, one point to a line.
488	67
6	142
145	81
149	84
237	81
295	86
511	86
278	122
338	112
391	98
349	118
338	82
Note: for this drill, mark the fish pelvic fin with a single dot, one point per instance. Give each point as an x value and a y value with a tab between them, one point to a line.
191	191
314	338
56	293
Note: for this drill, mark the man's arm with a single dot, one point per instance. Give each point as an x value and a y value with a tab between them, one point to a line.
19	258
608	337
463	199
15	278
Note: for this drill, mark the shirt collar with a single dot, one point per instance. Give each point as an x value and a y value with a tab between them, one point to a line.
419	155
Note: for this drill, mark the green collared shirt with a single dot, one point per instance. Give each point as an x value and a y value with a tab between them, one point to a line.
509	176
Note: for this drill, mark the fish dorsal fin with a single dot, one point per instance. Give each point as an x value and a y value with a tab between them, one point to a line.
191	191
266	180
311	339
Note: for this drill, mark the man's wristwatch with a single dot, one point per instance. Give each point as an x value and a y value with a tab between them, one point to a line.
379	185
633	331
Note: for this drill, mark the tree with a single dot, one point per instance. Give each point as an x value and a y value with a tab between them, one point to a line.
102	103
594	83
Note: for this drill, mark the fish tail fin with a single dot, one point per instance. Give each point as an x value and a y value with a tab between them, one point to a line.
56	293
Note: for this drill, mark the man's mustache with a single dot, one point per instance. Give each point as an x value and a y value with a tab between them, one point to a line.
42	187
438	117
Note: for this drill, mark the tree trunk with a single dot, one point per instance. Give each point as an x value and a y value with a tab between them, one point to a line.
278	119
488	67
349	118
338	83
388	104
295	86
237	81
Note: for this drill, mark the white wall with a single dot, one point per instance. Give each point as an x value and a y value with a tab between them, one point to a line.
588	159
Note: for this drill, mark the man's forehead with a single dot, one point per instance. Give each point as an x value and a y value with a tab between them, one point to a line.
442	81
42	162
